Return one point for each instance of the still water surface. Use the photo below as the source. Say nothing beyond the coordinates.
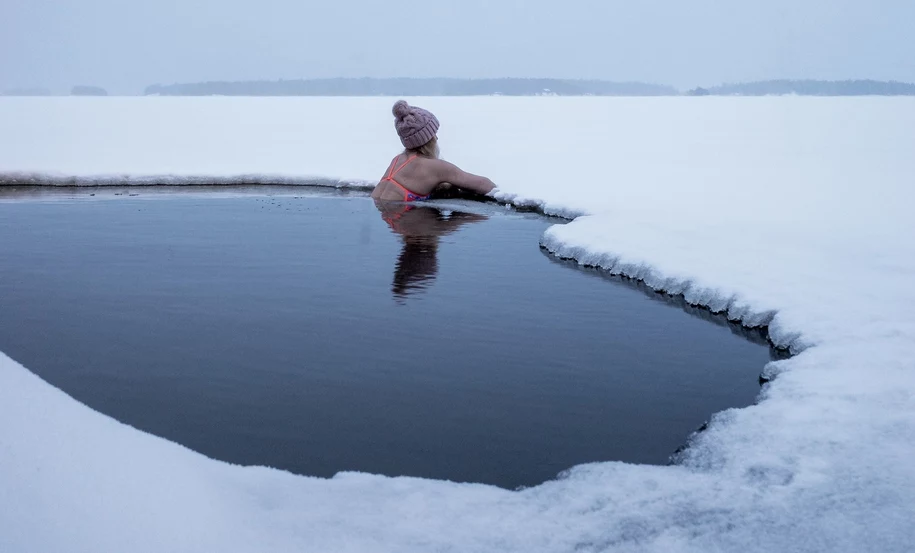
(319, 334)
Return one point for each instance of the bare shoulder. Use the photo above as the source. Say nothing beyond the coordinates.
(437, 167)
(444, 171)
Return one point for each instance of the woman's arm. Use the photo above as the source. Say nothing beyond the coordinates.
(450, 173)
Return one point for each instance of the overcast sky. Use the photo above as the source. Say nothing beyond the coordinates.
(124, 45)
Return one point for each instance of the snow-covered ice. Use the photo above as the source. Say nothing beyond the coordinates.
(792, 212)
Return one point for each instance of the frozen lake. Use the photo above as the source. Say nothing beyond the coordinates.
(790, 212)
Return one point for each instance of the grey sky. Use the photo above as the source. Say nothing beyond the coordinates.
(125, 45)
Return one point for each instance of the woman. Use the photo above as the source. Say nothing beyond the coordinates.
(417, 172)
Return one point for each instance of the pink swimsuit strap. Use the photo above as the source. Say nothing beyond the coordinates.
(408, 196)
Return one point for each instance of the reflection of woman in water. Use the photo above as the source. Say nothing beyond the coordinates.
(420, 228)
(414, 174)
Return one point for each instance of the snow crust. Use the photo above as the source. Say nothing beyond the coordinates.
(790, 212)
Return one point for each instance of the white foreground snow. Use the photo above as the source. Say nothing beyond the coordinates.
(793, 212)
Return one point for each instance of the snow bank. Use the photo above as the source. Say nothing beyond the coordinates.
(791, 212)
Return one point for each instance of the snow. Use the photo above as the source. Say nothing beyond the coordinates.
(790, 212)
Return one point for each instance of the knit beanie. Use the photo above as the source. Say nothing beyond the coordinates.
(414, 125)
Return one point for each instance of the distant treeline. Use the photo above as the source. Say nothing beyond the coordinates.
(489, 87)
(809, 88)
(413, 87)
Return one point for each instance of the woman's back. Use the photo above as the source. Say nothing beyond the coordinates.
(408, 173)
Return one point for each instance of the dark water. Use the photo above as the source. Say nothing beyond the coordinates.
(302, 333)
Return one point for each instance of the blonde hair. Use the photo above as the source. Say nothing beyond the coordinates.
(429, 149)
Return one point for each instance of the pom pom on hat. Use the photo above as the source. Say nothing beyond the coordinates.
(401, 109)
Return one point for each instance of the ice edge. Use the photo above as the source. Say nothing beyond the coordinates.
(39, 178)
(716, 302)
